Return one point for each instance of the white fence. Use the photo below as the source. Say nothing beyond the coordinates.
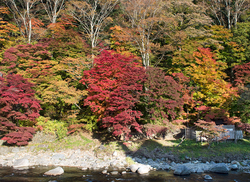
(231, 133)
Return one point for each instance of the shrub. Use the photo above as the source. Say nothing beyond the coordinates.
(17, 100)
(55, 127)
(17, 135)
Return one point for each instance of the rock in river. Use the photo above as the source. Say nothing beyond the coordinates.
(144, 169)
(207, 177)
(220, 168)
(134, 167)
(55, 172)
(181, 170)
(21, 163)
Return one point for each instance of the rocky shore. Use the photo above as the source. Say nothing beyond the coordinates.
(117, 163)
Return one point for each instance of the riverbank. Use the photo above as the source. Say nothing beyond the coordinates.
(87, 153)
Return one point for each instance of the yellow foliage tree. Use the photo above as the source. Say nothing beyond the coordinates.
(62, 95)
(208, 77)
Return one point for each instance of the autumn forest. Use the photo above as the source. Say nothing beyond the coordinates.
(123, 66)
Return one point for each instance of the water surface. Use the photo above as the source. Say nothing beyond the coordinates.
(8, 174)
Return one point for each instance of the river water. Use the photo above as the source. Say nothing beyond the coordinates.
(8, 174)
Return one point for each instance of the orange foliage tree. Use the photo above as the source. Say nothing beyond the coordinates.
(7, 30)
(208, 77)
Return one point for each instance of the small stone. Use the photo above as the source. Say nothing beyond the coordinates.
(83, 176)
(172, 163)
(234, 167)
(244, 163)
(113, 163)
(102, 147)
(199, 170)
(15, 150)
(124, 172)
(55, 172)
(104, 172)
(42, 146)
(58, 156)
(22, 149)
(114, 173)
(32, 148)
(4, 150)
(207, 177)
(78, 151)
(115, 154)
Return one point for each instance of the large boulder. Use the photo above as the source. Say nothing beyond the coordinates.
(182, 170)
(134, 167)
(21, 163)
(55, 172)
(220, 168)
(144, 169)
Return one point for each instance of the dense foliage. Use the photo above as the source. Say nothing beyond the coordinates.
(122, 67)
(114, 88)
(17, 100)
(18, 106)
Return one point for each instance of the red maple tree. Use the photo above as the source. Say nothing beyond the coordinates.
(17, 104)
(114, 86)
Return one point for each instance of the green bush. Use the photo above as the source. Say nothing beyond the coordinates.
(55, 127)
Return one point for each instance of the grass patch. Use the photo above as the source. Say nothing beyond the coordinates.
(191, 149)
(76, 142)
(70, 142)
(129, 161)
(153, 148)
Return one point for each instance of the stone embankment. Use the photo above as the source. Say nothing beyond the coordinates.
(26, 157)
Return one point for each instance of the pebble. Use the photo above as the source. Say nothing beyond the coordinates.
(104, 172)
(114, 173)
(207, 177)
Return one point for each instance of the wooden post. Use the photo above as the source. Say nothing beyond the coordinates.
(235, 136)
